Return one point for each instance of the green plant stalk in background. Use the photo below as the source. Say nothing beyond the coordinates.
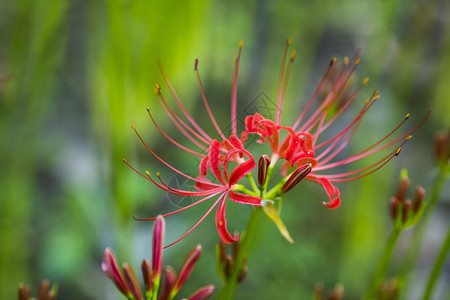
(437, 268)
(384, 263)
(419, 232)
(30, 72)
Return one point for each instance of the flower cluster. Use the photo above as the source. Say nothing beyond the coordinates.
(127, 283)
(46, 291)
(300, 147)
(405, 212)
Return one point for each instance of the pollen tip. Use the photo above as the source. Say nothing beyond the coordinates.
(147, 173)
(346, 60)
(148, 108)
(288, 41)
(132, 127)
(124, 160)
(241, 43)
(407, 116)
(357, 61)
(366, 80)
(294, 54)
(398, 151)
(157, 89)
(196, 64)
(333, 60)
(157, 174)
(408, 137)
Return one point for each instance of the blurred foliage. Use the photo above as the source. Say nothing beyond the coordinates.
(76, 74)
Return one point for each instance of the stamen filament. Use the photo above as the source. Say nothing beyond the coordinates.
(181, 106)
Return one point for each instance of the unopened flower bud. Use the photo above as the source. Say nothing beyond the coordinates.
(406, 210)
(147, 275)
(403, 187)
(111, 268)
(187, 268)
(43, 289)
(202, 293)
(229, 264)
(394, 208)
(263, 167)
(296, 177)
(337, 293)
(418, 199)
(132, 281)
(169, 280)
(159, 229)
(442, 147)
(243, 274)
(24, 292)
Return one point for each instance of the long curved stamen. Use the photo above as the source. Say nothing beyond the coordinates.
(330, 99)
(367, 105)
(351, 128)
(179, 123)
(387, 157)
(358, 156)
(165, 163)
(280, 84)
(187, 193)
(397, 152)
(336, 152)
(181, 209)
(311, 100)
(172, 140)
(181, 106)
(283, 94)
(321, 128)
(202, 218)
(172, 190)
(366, 152)
(211, 116)
(234, 91)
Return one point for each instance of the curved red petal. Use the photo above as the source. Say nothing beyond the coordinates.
(221, 223)
(204, 166)
(214, 160)
(333, 193)
(204, 184)
(245, 199)
(241, 170)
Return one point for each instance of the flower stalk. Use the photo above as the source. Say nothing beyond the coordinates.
(247, 239)
(384, 263)
(437, 267)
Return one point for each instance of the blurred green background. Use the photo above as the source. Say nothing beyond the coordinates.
(76, 74)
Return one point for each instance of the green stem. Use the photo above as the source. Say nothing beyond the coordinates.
(419, 232)
(245, 245)
(438, 265)
(252, 182)
(384, 263)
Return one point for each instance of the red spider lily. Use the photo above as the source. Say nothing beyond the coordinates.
(216, 161)
(301, 147)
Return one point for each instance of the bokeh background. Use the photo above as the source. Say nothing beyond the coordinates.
(76, 74)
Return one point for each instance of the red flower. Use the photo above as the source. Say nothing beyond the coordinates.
(302, 146)
(216, 161)
(305, 154)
